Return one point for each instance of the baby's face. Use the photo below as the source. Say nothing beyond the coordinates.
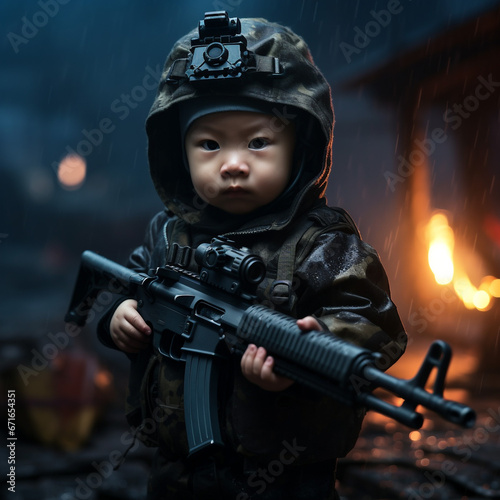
(239, 161)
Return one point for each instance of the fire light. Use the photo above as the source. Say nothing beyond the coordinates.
(415, 436)
(441, 245)
(493, 286)
(442, 262)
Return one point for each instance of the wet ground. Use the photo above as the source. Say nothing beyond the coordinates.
(439, 461)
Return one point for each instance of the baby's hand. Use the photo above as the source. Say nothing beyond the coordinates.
(257, 366)
(128, 329)
(309, 323)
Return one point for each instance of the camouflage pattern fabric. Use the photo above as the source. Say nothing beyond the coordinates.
(302, 89)
(335, 276)
(339, 279)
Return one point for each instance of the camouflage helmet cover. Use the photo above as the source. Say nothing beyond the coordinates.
(300, 88)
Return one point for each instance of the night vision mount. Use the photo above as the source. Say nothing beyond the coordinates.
(220, 52)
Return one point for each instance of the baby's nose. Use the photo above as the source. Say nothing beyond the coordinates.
(234, 165)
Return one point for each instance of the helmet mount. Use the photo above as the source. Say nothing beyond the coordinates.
(220, 52)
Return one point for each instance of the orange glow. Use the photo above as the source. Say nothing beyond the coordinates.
(481, 300)
(465, 290)
(472, 297)
(441, 258)
(103, 379)
(415, 436)
(441, 244)
(72, 171)
(494, 288)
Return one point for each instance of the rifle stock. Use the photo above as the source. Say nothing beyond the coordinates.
(200, 321)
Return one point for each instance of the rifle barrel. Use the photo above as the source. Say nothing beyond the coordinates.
(415, 395)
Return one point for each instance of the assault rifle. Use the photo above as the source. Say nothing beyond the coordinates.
(202, 319)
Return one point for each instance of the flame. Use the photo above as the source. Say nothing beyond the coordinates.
(440, 255)
(441, 261)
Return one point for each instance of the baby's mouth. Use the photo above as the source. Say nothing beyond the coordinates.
(235, 190)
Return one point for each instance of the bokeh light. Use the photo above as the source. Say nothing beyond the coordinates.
(72, 172)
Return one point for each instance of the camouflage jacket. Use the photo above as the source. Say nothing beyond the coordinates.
(338, 278)
(332, 273)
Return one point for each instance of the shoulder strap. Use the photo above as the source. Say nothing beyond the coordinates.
(282, 289)
(298, 245)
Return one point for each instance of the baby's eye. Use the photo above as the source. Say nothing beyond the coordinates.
(210, 145)
(258, 143)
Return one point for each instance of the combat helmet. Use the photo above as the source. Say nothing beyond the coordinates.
(240, 63)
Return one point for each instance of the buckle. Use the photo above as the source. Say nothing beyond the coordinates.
(281, 292)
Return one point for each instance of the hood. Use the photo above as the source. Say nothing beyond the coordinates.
(300, 92)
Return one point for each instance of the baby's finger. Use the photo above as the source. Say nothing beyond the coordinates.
(137, 321)
(130, 335)
(248, 358)
(266, 371)
(258, 361)
(308, 323)
(270, 380)
(138, 339)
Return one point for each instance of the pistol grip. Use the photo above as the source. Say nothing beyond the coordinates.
(201, 383)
